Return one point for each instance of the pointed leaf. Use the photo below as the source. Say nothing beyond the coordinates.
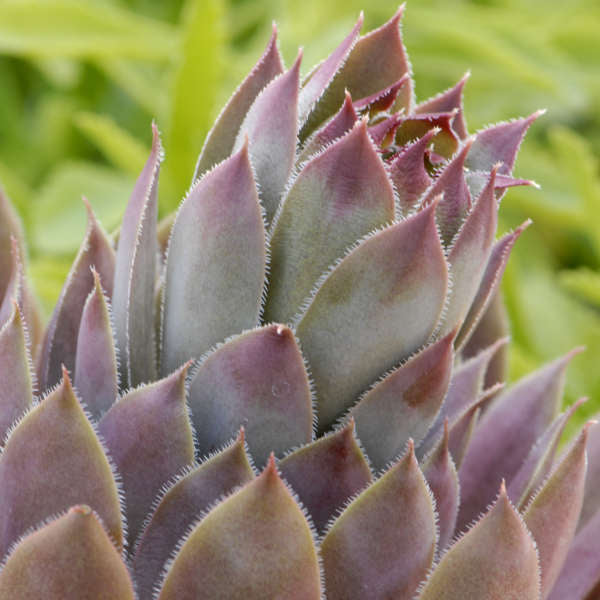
(271, 127)
(134, 275)
(384, 99)
(476, 180)
(216, 260)
(96, 370)
(404, 404)
(591, 498)
(383, 544)
(220, 140)
(445, 142)
(14, 286)
(400, 274)
(256, 544)
(496, 559)
(181, 505)
(552, 515)
(10, 226)
(258, 380)
(70, 558)
(326, 473)
(338, 197)
(52, 460)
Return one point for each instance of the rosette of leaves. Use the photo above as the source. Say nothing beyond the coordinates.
(293, 387)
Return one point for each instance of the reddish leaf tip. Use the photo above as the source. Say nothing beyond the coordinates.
(502, 493)
(66, 377)
(80, 509)
(241, 437)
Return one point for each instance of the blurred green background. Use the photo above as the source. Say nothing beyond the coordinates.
(80, 82)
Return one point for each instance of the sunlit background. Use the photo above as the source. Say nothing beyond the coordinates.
(80, 82)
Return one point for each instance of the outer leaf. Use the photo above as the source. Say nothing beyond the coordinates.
(221, 138)
(134, 275)
(216, 260)
(256, 544)
(591, 498)
(10, 226)
(70, 558)
(52, 460)
(400, 274)
(96, 369)
(404, 404)
(338, 197)
(495, 560)
(271, 126)
(326, 473)
(15, 284)
(181, 505)
(383, 544)
(257, 379)
(148, 435)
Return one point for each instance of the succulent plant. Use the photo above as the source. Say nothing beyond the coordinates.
(292, 388)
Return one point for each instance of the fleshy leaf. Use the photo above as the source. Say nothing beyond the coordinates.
(496, 559)
(69, 558)
(271, 128)
(404, 404)
(220, 140)
(499, 143)
(52, 460)
(591, 498)
(14, 286)
(10, 227)
(96, 375)
(149, 437)
(384, 99)
(181, 505)
(133, 295)
(338, 197)
(256, 544)
(383, 544)
(326, 473)
(320, 78)
(476, 180)
(504, 437)
(16, 376)
(552, 515)
(445, 143)
(258, 380)
(440, 473)
(216, 260)
(400, 274)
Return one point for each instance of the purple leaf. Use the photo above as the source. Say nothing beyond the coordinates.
(476, 180)
(445, 143)
(258, 380)
(216, 260)
(383, 544)
(10, 227)
(384, 99)
(379, 305)
(326, 473)
(14, 285)
(135, 267)
(346, 191)
(254, 545)
(149, 437)
(591, 497)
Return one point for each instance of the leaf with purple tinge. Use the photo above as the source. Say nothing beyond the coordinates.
(181, 505)
(552, 515)
(216, 260)
(68, 558)
(496, 560)
(591, 497)
(258, 380)
(135, 267)
(326, 473)
(382, 132)
(477, 180)
(384, 99)
(256, 544)
(14, 285)
(320, 78)
(448, 101)
(469, 255)
(504, 436)
(149, 437)
(390, 561)
(10, 227)
(408, 173)
(538, 463)
(490, 283)
(499, 143)
(221, 138)
(341, 123)
(271, 128)
(405, 403)
(65, 462)
(338, 197)
(96, 369)
(445, 143)
(16, 374)
(440, 472)
(401, 276)
(377, 61)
